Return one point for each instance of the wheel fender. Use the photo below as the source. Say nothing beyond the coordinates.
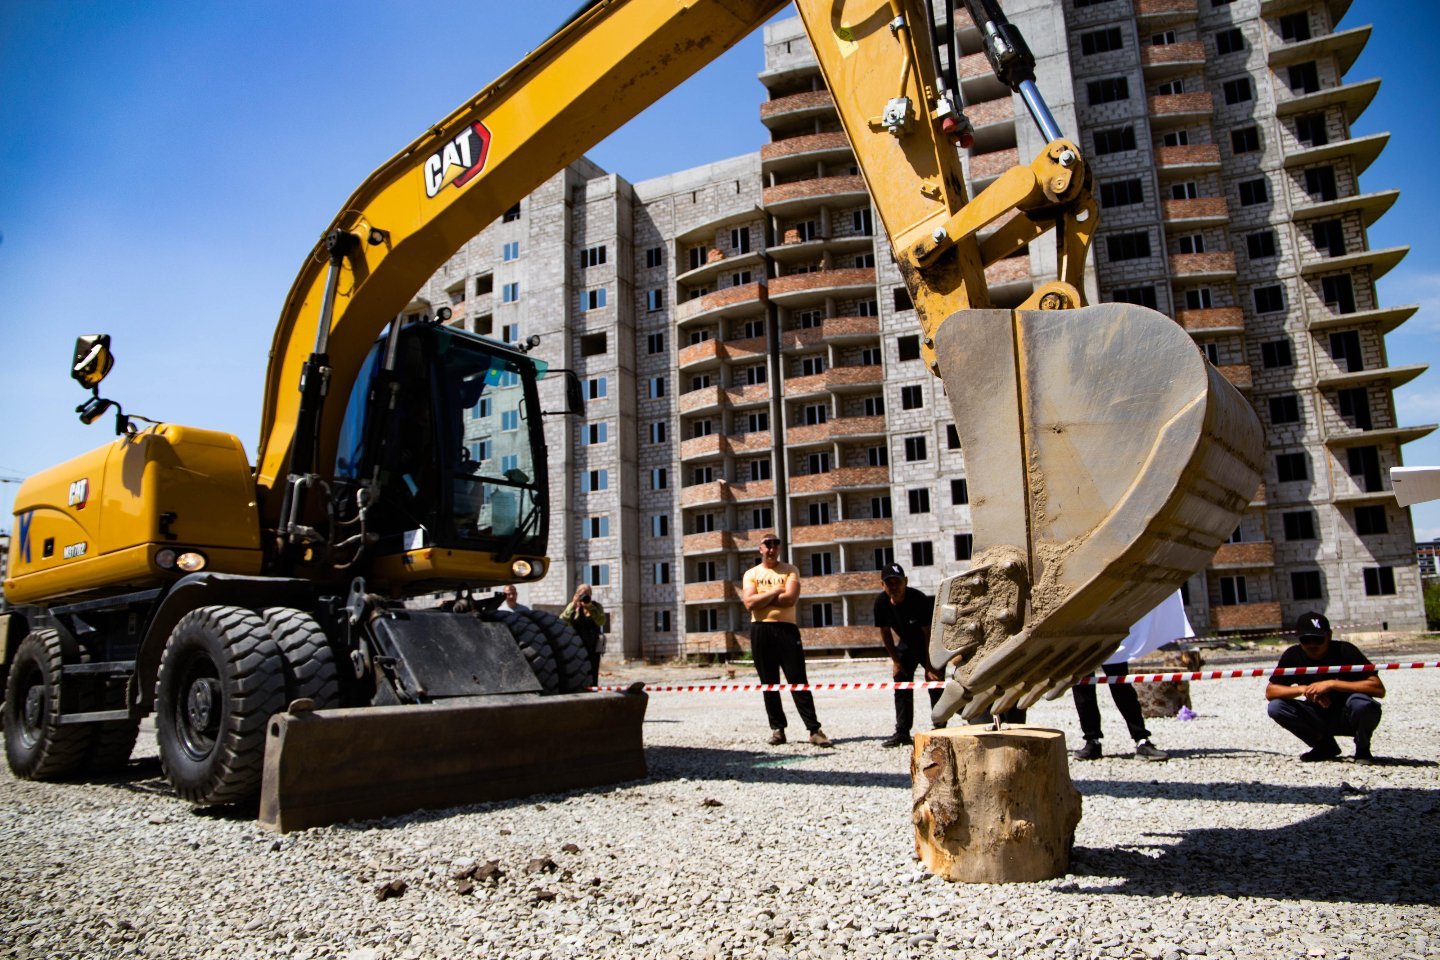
(13, 629)
(205, 590)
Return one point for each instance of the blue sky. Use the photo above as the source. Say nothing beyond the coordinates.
(166, 166)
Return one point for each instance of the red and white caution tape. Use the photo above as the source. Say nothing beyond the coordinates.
(853, 687)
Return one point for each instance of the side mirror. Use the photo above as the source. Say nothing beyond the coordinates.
(574, 397)
(93, 359)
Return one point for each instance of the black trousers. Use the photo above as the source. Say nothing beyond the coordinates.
(1127, 701)
(1357, 715)
(905, 699)
(776, 648)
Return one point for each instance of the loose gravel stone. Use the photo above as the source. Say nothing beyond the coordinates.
(732, 848)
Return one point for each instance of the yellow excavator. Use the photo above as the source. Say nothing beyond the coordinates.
(257, 610)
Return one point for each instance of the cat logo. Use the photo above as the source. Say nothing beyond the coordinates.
(80, 493)
(459, 160)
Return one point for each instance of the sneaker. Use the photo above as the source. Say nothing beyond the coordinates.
(1320, 754)
(897, 739)
(1148, 751)
(1091, 751)
(817, 737)
(777, 737)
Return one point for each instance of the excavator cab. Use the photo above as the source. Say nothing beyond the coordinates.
(441, 459)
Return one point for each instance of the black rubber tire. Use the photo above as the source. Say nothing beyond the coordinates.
(37, 746)
(111, 744)
(221, 680)
(307, 658)
(572, 660)
(536, 647)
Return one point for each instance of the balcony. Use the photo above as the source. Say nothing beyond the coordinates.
(845, 479)
(702, 448)
(1171, 59)
(784, 111)
(800, 288)
(718, 263)
(1194, 213)
(1345, 46)
(757, 441)
(790, 198)
(1392, 377)
(711, 591)
(1353, 98)
(1370, 206)
(1378, 262)
(835, 584)
(707, 352)
(749, 395)
(1361, 151)
(1186, 160)
(732, 301)
(704, 400)
(1273, 8)
(1246, 616)
(1010, 276)
(1239, 556)
(751, 490)
(1212, 320)
(985, 167)
(993, 122)
(1237, 373)
(1203, 266)
(715, 541)
(842, 638)
(718, 643)
(1258, 500)
(837, 330)
(1169, 110)
(792, 249)
(842, 531)
(703, 354)
(798, 153)
(1389, 435)
(835, 380)
(1385, 318)
(720, 492)
(1165, 13)
(841, 428)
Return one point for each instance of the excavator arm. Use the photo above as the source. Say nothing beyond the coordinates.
(1107, 460)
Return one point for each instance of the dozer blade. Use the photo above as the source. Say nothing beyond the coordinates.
(326, 766)
(1107, 461)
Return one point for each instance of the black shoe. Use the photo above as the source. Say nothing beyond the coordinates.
(1091, 751)
(897, 739)
(1320, 754)
(1363, 757)
(777, 737)
(1148, 751)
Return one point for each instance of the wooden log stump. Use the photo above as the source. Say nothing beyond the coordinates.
(1165, 699)
(993, 806)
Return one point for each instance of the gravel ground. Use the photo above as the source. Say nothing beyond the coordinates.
(731, 848)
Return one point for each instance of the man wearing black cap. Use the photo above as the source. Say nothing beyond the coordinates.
(904, 612)
(1317, 708)
(771, 589)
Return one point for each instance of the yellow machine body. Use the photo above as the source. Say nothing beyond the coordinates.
(96, 522)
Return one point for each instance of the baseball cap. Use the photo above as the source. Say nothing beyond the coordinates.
(770, 538)
(1312, 625)
(892, 571)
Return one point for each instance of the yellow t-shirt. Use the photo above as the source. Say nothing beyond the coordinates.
(765, 580)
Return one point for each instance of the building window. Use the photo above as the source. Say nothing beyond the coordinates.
(599, 527)
(867, 308)
(592, 256)
(1365, 468)
(1176, 138)
(1199, 298)
(596, 433)
(662, 621)
(1212, 353)
(870, 357)
(1346, 352)
(655, 343)
(911, 398)
(952, 437)
(510, 292)
(657, 431)
(1304, 78)
(1329, 238)
(1307, 585)
(812, 366)
(593, 480)
(1238, 90)
(1108, 90)
(964, 546)
(1285, 408)
(1144, 296)
(1354, 407)
(761, 519)
(919, 500)
(1269, 299)
(1290, 467)
(1244, 140)
(880, 508)
(822, 615)
(874, 406)
(902, 299)
(1115, 140)
(1295, 27)
(659, 478)
(819, 513)
(757, 422)
(1338, 293)
(878, 456)
(959, 492)
(1101, 41)
(591, 344)
(1229, 41)
(922, 554)
(815, 414)
(822, 564)
(1192, 243)
(1233, 592)
(817, 463)
(862, 222)
(659, 525)
(705, 571)
(914, 449)
(1311, 130)
(1379, 581)
(656, 388)
(1253, 192)
(703, 523)
(1260, 245)
(598, 574)
(1275, 354)
(592, 299)
(662, 572)
(654, 300)
(595, 388)
(909, 347)
(755, 375)
(1128, 246)
(1299, 525)
(510, 251)
(1371, 521)
(511, 215)
(1122, 193)
(654, 256)
(1320, 184)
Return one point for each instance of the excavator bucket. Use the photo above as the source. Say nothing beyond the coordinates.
(1111, 461)
(325, 766)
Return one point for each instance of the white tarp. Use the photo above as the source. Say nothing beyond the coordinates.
(1158, 627)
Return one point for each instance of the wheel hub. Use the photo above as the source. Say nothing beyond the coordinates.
(200, 703)
(34, 709)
